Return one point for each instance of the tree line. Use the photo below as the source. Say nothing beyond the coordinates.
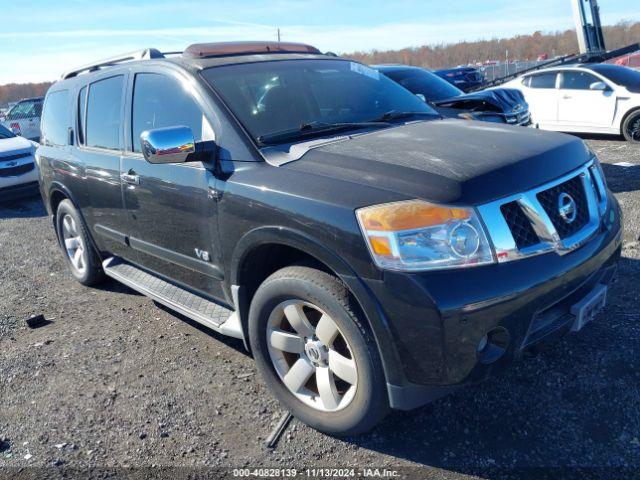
(520, 47)
(13, 92)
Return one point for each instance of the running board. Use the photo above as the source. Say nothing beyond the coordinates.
(197, 308)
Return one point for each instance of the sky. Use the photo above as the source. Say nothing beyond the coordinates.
(40, 42)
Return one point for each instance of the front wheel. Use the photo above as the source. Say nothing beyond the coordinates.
(631, 127)
(312, 348)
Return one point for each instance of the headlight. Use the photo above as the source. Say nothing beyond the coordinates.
(417, 235)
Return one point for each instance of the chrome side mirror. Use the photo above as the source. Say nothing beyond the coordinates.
(601, 86)
(167, 145)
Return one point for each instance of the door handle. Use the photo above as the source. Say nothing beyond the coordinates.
(566, 97)
(131, 178)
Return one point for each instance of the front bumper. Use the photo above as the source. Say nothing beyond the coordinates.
(438, 319)
(18, 177)
(22, 190)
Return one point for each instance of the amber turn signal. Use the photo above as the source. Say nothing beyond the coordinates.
(392, 217)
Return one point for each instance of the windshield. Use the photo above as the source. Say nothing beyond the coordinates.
(288, 95)
(5, 133)
(620, 75)
(419, 81)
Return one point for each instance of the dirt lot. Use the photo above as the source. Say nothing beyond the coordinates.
(114, 381)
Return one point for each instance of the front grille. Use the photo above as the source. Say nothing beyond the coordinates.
(15, 171)
(16, 156)
(519, 224)
(549, 199)
(536, 221)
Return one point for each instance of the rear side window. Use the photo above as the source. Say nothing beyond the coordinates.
(543, 80)
(103, 124)
(577, 80)
(82, 109)
(54, 122)
(160, 101)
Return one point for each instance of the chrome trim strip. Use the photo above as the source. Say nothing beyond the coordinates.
(502, 238)
(597, 176)
(539, 218)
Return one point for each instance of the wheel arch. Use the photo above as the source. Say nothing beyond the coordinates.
(57, 193)
(265, 250)
(632, 111)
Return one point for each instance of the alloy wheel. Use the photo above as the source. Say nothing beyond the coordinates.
(634, 129)
(73, 243)
(311, 356)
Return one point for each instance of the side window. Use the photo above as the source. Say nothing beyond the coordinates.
(543, 80)
(160, 101)
(526, 81)
(103, 123)
(82, 104)
(54, 122)
(572, 80)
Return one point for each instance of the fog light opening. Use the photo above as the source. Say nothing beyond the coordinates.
(493, 345)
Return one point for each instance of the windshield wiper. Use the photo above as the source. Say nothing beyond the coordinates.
(315, 128)
(397, 114)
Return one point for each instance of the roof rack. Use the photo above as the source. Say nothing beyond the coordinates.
(198, 50)
(146, 54)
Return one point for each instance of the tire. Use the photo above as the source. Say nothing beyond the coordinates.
(631, 127)
(354, 399)
(76, 245)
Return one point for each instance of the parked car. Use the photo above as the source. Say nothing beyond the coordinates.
(590, 98)
(18, 175)
(500, 105)
(465, 78)
(369, 253)
(5, 110)
(24, 118)
(632, 61)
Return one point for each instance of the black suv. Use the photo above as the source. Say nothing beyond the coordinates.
(369, 253)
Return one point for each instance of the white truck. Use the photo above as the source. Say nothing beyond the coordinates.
(24, 118)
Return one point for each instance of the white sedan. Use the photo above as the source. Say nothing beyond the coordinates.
(18, 171)
(589, 98)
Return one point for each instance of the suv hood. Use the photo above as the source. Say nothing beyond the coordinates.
(15, 145)
(501, 100)
(448, 161)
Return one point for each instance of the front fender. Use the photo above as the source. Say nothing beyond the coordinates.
(369, 304)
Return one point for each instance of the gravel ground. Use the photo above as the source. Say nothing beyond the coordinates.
(114, 381)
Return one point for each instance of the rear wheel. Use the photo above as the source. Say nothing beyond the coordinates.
(84, 262)
(311, 347)
(631, 127)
